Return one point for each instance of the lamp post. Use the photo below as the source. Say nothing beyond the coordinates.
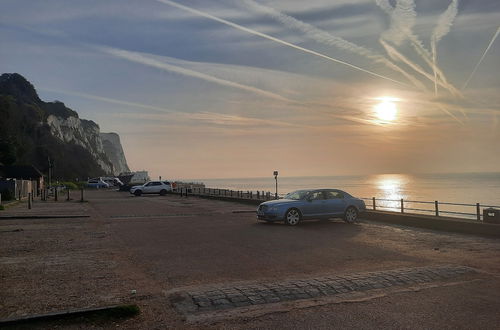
(276, 178)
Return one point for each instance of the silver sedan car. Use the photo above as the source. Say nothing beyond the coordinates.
(312, 204)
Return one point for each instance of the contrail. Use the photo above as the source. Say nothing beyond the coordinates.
(450, 114)
(140, 58)
(482, 57)
(107, 99)
(398, 56)
(442, 28)
(326, 38)
(266, 36)
(402, 22)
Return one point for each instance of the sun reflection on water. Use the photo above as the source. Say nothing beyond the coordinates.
(391, 188)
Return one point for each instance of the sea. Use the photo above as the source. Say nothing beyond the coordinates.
(389, 189)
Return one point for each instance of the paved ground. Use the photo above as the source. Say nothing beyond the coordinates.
(169, 248)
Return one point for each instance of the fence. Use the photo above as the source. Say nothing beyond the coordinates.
(436, 208)
(461, 210)
(227, 193)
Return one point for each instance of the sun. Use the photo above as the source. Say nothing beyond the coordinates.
(386, 111)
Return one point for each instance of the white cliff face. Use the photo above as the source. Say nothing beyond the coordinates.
(114, 151)
(84, 133)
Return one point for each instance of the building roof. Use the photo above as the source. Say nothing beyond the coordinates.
(25, 172)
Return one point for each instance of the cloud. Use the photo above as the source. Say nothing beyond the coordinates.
(107, 100)
(326, 38)
(263, 35)
(142, 58)
(442, 28)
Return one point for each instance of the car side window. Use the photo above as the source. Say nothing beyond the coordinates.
(156, 183)
(334, 195)
(148, 184)
(166, 182)
(316, 195)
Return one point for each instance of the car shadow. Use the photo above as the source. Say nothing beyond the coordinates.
(313, 224)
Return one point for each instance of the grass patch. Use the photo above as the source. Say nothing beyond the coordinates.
(2, 207)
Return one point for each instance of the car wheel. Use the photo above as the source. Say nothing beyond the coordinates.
(351, 215)
(138, 193)
(163, 192)
(292, 217)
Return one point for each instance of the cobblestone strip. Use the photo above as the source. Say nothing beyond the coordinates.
(239, 295)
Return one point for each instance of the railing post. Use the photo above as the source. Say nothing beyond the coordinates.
(29, 201)
(67, 191)
(55, 194)
(402, 206)
(374, 205)
(478, 211)
(81, 194)
(436, 206)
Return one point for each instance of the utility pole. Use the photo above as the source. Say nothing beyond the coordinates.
(276, 178)
(50, 168)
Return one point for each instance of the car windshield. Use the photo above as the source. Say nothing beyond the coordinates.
(297, 195)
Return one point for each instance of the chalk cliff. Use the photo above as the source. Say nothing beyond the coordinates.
(114, 151)
(33, 131)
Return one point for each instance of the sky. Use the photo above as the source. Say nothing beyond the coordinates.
(222, 89)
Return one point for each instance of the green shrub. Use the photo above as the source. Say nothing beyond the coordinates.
(2, 207)
(70, 185)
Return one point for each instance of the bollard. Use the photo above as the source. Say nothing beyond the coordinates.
(374, 205)
(81, 194)
(402, 206)
(19, 195)
(478, 211)
(67, 190)
(436, 206)
(55, 194)
(29, 201)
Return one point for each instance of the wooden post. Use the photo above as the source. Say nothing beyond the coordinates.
(374, 205)
(67, 190)
(81, 194)
(436, 206)
(55, 194)
(29, 201)
(478, 211)
(402, 206)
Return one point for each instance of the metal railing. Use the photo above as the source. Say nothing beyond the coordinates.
(227, 193)
(435, 208)
(438, 208)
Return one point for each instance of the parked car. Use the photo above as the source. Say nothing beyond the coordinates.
(97, 183)
(112, 181)
(312, 204)
(152, 187)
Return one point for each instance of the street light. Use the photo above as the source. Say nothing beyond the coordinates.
(276, 178)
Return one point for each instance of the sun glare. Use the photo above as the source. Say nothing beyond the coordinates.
(386, 111)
